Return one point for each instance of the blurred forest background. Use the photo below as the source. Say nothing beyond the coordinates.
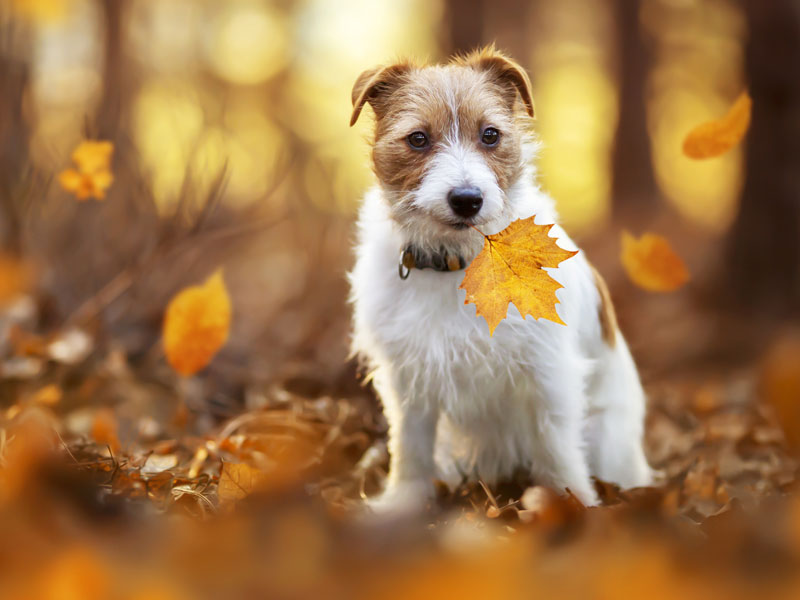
(245, 104)
(229, 122)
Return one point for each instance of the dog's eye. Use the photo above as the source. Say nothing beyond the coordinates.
(490, 136)
(417, 140)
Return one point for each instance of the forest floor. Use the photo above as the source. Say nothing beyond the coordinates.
(145, 496)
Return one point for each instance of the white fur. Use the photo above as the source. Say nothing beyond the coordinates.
(552, 399)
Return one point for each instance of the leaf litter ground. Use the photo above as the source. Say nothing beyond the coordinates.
(121, 475)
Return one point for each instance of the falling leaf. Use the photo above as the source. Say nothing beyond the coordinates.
(93, 175)
(196, 325)
(509, 269)
(652, 264)
(714, 138)
(236, 481)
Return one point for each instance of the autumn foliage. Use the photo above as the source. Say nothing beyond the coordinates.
(149, 450)
(510, 268)
(714, 138)
(196, 325)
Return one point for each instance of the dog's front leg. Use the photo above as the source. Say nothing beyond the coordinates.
(412, 436)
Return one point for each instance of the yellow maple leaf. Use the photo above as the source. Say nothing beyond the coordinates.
(652, 264)
(236, 481)
(714, 138)
(509, 269)
(196, 325)
(93, 176)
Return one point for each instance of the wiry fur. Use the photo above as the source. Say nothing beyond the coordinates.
(562, 402)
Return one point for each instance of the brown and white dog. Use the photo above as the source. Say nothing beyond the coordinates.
(453, 148)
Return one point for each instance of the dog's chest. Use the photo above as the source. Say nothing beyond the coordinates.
(445, 350)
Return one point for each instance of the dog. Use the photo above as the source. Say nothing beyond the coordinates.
(452, 152)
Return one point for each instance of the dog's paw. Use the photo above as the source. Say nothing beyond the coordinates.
(586, 494)
(406, 498)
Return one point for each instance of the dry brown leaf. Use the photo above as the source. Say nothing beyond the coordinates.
(104, 429)
(49, 395)
(714, 138)
(237, 481)
(196, 325)
(509, 269)
(652, 264)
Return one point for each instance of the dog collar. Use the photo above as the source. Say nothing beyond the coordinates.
(414, 258)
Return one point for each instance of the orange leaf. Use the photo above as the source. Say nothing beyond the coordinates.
(652, 264)
(196, 325)
(93, 156)
(104, 429)
(509, 269)
(49, 395)
(714, 138)
(93, 176)
(236, 481)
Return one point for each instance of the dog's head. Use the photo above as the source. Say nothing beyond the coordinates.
(449, 142)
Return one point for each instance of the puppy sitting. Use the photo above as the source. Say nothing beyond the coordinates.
(452, 149)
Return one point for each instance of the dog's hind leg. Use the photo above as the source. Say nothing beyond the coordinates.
(615, 423)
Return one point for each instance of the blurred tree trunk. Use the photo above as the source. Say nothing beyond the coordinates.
(464, 25)
(14, 168)
(764, 250)
(634, 187)
(111, 108)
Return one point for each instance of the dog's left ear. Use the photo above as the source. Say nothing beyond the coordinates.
(373, 85)
(506, 71)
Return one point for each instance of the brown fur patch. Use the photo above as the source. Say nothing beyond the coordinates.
(608, 317)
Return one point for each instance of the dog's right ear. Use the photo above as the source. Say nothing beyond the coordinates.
(374, 84)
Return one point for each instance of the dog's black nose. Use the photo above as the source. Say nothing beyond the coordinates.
(465, 201)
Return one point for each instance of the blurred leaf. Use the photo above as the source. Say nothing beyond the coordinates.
(714, 138)
(509, 269)
(48, 395)
(196, 325)
(652, 264)
(104, 429)
(237, 481)
(93, 176)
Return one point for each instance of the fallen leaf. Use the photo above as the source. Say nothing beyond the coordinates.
(49, 395)
(510, 269)
(196, 325)
(104, 429)
(237, 481)
(714, 138)
(93, 176)
(652, 264)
